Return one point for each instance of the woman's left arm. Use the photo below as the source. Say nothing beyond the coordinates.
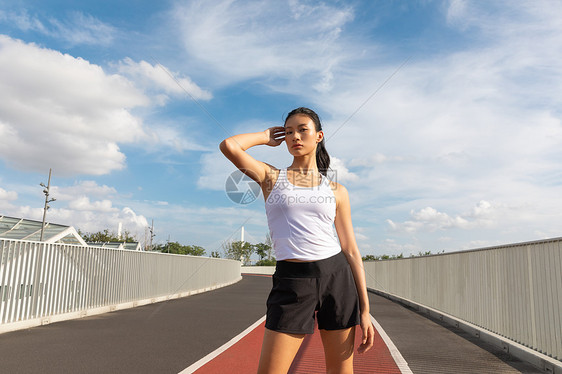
(349, 247)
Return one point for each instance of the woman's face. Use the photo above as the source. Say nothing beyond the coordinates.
(301, 135)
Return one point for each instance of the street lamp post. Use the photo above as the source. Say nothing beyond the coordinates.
(46, 190)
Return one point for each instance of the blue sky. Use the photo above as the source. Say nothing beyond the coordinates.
(443, 118)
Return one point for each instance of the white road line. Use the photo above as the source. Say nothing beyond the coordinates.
(400, 362)
(221, 349)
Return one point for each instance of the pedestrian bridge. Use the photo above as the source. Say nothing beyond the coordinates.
(489, 310)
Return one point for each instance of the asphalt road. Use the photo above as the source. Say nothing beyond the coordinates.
(167, 337)
(432, 347)
(159, 338)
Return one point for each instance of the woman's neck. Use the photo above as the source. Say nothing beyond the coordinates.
(304, 174)
(304, 165)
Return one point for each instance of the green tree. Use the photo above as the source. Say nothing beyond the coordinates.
(179, 249)
(426, 253)
(196, 250)
(238, 250)
(262, 250)
(369, 258)
(266, 262)
(106, 236)
(215, 254)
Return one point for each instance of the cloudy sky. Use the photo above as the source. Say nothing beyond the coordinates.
(443, 118)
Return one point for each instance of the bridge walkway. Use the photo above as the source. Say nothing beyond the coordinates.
(172, 336)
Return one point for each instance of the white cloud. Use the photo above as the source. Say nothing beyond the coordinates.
(473, 132)
(481, 123)
(361, 237)
(157, 202)
(168, 137)
(267, 39)
(456, 11)
(129, 215)
(341, 174)
(160, 77)
(80, 28)
(205, 225)
(391, 247)
(484, 215)
(504, 20)
(215, 168)
(81, 189)
(369, 160)
(76, 28)
(23, 21)
(8, 195)
(464, 142)
(63, 112)
(86, 206)
(94, 219)
(83, 203)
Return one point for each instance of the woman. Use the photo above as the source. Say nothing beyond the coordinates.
(314, 273)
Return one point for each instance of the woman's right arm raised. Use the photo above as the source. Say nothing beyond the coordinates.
(234, 148)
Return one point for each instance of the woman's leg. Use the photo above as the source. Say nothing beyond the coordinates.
(278, 351)
(338, 348)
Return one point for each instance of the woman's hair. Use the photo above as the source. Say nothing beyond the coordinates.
(322, 157)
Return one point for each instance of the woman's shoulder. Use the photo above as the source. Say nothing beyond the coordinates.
(338, 187)
(340, 192)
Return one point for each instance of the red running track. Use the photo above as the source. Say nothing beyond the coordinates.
(243, 356)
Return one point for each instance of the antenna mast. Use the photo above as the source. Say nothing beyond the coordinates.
(46, 191)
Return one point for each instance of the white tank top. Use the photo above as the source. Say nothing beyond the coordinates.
(301, 220)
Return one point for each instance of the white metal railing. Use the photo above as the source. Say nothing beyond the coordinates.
(514, 290)
(39, 280)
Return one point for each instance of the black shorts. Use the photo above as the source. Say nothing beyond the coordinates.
(300, 289)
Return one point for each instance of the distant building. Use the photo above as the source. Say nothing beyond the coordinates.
(26, 229)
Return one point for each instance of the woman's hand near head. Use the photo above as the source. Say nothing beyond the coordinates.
(234, 148)
(276, 135)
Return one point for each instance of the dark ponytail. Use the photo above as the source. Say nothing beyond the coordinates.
(322, 156)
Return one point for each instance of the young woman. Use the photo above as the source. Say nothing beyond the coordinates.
(314, 273)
